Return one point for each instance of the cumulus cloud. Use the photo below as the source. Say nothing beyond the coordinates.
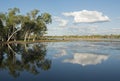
(86, 59)
(62, 22)
(86, 16)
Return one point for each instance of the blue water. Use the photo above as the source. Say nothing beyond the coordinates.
(62, 61)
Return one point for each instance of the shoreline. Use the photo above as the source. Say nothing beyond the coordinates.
(63, 40)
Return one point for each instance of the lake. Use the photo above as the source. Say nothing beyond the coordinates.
(60, 61)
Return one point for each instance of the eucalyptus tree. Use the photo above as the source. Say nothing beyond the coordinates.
(3, 29)
(41, 24)
(15, 26)
(10, 21)
(13, 22)
(36, 24)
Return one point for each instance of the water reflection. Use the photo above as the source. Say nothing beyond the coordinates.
(16, 58)
(86, 59)
(62, 53)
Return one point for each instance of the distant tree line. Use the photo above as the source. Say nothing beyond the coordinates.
(14, 26)
(112, 36)
(95, 36)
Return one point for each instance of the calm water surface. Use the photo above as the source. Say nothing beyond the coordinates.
(60, 61)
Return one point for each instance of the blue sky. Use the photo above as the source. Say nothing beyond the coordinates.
(74, 17)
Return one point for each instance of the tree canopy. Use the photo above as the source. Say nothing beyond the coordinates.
(14, 26)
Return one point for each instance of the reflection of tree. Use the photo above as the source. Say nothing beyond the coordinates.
(17, 58)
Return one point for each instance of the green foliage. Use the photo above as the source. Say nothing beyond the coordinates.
(47, 18)
(1, 29)
(24, 26)
(1, 24)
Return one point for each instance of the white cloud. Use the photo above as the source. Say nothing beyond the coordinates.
(86, 16)
(86, 59)
(62, 22)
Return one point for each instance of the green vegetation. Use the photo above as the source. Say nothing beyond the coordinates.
(84, 37)
(14, 26)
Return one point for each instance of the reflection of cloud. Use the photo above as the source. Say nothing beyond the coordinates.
(87, 59)
(62, 53)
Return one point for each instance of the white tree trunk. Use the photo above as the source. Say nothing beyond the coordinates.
(12, 35)
(34, 37)
(29, 38)
(25, 36)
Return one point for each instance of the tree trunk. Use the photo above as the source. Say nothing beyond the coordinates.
(25, 36)
(2, 39)
(34, 37)
(12, 35)
(29, 38)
